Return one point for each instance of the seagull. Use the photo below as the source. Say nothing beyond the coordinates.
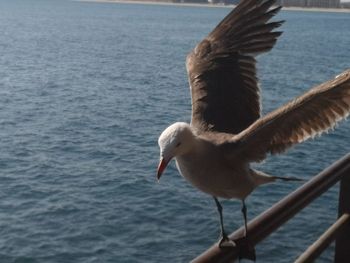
(227, 132)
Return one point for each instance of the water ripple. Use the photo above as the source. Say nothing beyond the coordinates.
(86, 88)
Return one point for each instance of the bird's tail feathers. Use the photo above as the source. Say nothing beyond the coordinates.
(289, 178)
(263, 178)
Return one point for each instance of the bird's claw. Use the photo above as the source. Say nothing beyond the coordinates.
(225, 242)
(246, 249)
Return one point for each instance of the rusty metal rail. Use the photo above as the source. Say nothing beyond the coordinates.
(270, 220)
(324, 241)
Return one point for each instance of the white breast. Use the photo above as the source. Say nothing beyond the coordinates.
(210, 175)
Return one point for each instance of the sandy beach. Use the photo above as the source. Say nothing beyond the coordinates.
(164, 2)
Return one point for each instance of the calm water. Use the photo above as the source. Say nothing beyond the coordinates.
(85, 90)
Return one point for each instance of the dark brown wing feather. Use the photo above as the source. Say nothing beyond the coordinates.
(305, 117)
(221, 68)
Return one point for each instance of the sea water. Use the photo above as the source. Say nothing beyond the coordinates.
(85, 91)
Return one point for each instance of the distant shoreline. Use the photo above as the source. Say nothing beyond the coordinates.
(164, 2)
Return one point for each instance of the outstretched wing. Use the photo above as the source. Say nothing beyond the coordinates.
(221, 68)
(305, 117)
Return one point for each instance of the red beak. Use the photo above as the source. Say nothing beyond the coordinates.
(161, 167)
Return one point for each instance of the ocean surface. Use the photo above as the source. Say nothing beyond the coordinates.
(85, 91)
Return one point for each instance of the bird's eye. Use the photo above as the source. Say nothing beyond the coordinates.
(178, 144)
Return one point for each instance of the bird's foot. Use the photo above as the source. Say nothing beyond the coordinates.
(246, 249)
(225, 242)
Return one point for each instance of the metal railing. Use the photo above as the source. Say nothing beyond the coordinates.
(270, 220)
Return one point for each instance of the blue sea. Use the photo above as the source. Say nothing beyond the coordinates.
(86, 89)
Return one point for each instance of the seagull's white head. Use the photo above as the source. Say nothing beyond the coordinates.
(174, 141)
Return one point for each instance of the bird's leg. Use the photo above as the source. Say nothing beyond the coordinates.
(225, 241)
(247, 250)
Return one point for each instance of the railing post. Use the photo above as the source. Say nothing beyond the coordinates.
(342, 243)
